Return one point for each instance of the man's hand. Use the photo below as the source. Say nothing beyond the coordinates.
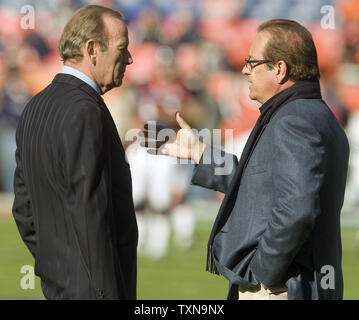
(185, 145)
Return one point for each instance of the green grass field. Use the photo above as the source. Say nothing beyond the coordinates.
(180, 275)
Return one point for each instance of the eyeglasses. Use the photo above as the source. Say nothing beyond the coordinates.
(249, 63)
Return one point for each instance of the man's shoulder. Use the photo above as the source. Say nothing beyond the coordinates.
(310, 115)
(63, 92)
(304, 106)
(309, 110)
(74, 90)
(63, 101)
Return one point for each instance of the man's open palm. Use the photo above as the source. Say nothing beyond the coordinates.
(186, 144)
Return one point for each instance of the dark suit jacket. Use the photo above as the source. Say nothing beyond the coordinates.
(284, 228)
(73, 195)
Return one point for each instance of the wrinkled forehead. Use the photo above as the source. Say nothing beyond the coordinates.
(258, 45)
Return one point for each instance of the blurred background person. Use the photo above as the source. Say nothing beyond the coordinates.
(13, 97)
(160, 190)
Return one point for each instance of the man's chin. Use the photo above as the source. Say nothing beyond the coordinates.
(252, 95)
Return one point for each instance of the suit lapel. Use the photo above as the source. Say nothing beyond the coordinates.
(111, 122)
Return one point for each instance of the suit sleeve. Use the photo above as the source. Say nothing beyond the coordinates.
(87, 176)
(298, 173)
(22, 208)
(215, 169)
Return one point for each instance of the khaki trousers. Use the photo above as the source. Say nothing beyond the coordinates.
(262, 294)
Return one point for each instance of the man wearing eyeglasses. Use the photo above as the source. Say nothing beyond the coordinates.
(277, 233)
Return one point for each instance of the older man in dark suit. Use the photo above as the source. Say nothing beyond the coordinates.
(277, 234)
(73, 195)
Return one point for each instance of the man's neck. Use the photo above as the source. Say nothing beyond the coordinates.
(80, 67)
(280, 88)
(284, 86)
(80, 72)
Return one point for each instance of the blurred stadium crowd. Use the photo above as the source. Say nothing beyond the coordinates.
(188, 56)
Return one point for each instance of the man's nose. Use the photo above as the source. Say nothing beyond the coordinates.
(245, 70)
(130, 60)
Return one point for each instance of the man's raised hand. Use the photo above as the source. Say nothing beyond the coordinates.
(182, 143)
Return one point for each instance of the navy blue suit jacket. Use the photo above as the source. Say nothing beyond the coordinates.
(73, 195)
(284, 228)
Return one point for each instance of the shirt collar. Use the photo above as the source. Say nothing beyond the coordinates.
(80, 75)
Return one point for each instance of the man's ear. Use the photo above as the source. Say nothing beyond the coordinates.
(91, 51)
(281, 72)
